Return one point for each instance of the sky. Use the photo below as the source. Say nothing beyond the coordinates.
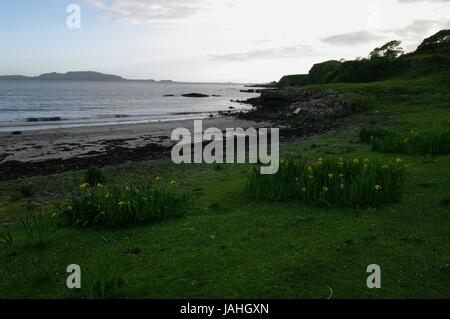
(206, 40)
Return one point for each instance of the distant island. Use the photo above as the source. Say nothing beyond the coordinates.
(74, 76)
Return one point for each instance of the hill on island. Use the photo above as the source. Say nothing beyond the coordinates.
(72, 76)
(432, 57)
(80, 76)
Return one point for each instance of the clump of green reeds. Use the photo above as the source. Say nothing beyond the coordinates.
(428, 142)
(332, 180)
(137, 205)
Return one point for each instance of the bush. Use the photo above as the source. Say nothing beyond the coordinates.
(432, 142)
(334, 181)
(123, 207)
(94, 176)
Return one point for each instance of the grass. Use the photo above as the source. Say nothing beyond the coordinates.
(22, 191)
(123, 207)
(351, 182)
(94, 176)
(432, 142)
(366, 135)
(230, 246)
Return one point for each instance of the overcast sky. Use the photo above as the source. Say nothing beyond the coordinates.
(206, 40)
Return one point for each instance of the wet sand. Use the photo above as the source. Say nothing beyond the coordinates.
(43, 152)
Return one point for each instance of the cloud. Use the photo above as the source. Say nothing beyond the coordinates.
(352, 38)
(412, 1)
(146, 11)
(414, 33)
(296, 51)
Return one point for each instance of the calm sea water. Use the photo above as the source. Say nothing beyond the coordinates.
(28, 105)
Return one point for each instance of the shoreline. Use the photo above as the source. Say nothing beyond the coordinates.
(297, 113)
(44, 152)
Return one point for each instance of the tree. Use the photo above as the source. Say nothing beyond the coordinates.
(438, 42)
(390, 50)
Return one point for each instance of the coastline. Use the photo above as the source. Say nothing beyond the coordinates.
(51, 151)
(43, 152)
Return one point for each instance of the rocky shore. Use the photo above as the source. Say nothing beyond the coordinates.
(300, 112)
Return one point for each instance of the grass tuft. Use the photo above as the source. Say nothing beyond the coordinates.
(94, 176)
(350, 182)
(124, 207)
(38, 229)
(429, 142)
(366, 135)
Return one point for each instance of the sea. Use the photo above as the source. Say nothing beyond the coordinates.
(39, 105)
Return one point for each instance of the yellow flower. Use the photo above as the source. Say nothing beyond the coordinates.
(84, 185)
(356, 161)
(320, 159)
(157, 178)
(304, 190)
(127, 188)
(325, 189)
(398, 160)
(310, 169)
(121, 203)
(99, 185)
(378, 187)
(173, 182)
(330, 175)
(385, 166)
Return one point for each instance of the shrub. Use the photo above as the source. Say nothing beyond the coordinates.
(334, 181)
(94, 176)
(123, 207)
(432, 142)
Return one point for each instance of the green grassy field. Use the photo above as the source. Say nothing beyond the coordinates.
(230, 246)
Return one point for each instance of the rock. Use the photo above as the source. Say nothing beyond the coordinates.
(16, 133)
(197, 95)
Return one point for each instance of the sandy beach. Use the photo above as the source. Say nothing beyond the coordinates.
(47, 151)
